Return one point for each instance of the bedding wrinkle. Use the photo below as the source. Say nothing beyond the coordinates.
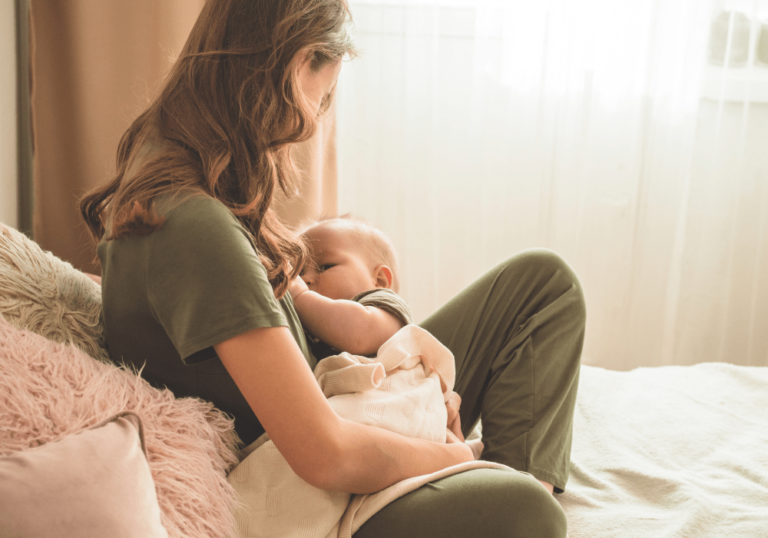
(671, 451)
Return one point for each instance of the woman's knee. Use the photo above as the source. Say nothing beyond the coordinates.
(495, 503)
(521, 506)
(540, 261)
(528, 510)
(544, 267)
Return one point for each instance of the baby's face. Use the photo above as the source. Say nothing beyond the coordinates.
(339, 268)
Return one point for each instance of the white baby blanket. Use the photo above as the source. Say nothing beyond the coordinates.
(402, 390)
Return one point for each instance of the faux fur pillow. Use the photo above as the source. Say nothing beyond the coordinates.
(50, 390)
(46, 295)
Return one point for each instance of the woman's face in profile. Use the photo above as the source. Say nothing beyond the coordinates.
(317, 86)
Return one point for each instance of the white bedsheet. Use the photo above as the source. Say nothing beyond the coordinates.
(670, 452)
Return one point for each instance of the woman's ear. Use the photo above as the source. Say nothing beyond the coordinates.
(382, 275)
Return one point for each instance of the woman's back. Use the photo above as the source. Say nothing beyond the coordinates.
(172, 294)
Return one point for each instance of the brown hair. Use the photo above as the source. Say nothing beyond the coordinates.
(378, 246)
(224, 121)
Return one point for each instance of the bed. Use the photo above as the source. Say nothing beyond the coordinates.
(657, 452)
(670, 452)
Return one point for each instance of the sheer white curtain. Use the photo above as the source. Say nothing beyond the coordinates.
(601, 129)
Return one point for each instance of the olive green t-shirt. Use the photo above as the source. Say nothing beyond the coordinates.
(169, 296)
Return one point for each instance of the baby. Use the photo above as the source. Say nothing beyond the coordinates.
(346, 298)
(349, 300)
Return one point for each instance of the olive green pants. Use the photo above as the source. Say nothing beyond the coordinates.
(516, 334)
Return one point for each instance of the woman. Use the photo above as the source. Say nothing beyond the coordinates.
(196, 269)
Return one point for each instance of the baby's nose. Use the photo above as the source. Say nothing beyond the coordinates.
(308, 277)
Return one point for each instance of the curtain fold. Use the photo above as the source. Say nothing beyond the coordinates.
(606, 131)
(9, 116)
(96, 64)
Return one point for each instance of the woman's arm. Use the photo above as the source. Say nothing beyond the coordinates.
(322, 448)
(346, 325)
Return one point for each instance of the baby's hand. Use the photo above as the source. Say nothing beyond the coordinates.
(297, 287)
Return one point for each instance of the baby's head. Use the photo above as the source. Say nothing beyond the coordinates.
(348, 256)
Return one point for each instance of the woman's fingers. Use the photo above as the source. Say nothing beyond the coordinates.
(455, 427)
(452, 414)
(477, 447)
(450, 437)
(452, 406)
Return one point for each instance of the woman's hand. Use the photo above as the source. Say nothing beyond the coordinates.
(477, 447)
(323, 449)
(452, 405)
(469, 452)
(454, 435)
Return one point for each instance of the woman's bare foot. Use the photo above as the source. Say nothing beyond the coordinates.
(550, 487)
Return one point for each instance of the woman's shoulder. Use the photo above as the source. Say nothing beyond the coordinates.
(193, 205)
(195, 227)
(196, 215)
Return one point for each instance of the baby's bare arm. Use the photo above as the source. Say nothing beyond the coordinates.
(345, 325)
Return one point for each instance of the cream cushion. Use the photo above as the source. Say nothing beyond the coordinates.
(46, 295)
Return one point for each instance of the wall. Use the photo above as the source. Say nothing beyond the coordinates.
(8, 146)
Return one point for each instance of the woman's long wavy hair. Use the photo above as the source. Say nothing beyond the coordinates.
(224, 121)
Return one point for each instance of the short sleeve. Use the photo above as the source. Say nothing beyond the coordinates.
(388, 301)
(205, 283)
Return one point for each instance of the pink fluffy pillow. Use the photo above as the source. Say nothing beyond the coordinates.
(50, 390)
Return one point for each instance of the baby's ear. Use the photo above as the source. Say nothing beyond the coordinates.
(383, 277)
